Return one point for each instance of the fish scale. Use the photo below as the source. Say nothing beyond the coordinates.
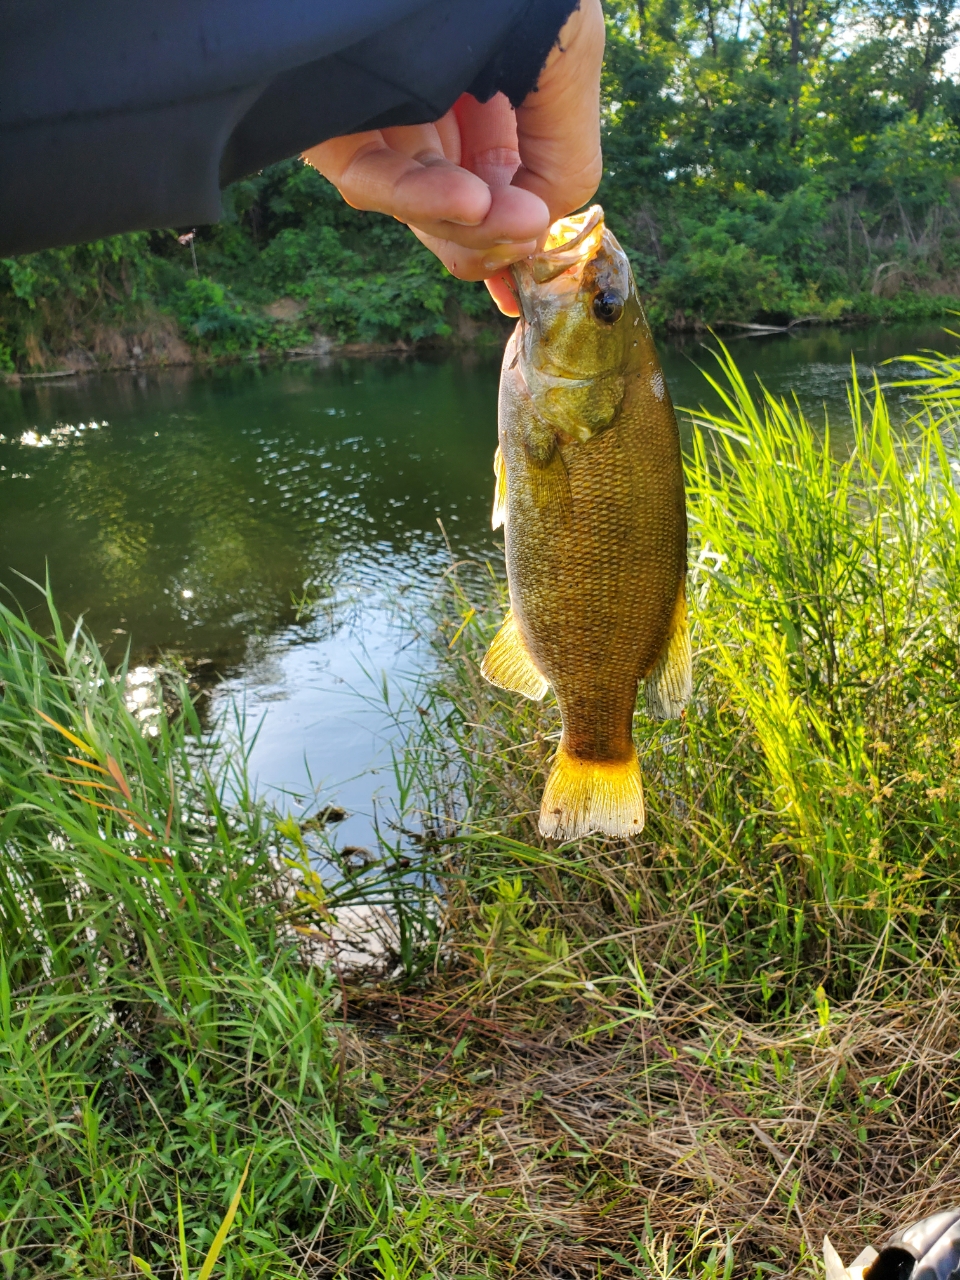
(594, 522)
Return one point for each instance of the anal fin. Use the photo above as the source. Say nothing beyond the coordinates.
(508, 664)
(669, 686)
(583, 796)
(500, 490)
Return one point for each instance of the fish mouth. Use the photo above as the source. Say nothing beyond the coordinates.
(570, 241)
(570, 245)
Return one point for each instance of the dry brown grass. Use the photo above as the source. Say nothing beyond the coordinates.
(588, 1152)
(696, 1055)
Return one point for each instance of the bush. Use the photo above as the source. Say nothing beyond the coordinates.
(210, 316)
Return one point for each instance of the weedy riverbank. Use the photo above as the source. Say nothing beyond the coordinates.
(697, 1054)
(162, 1024)
(690, 1056)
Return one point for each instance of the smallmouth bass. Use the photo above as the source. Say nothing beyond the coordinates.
(590, 494)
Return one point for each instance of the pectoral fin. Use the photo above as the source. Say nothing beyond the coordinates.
(669, 685)
(546, 471)
(508, 664)
(550, 486)
(500, 491)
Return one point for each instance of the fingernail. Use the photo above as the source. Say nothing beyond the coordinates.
(497, 175)
(511, 253)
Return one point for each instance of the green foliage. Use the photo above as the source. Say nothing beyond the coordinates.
(828, 601)
(764, 164)
(51, 301)
(206, 312)
(360, 277)
(803, 816)
(161, 1028)
(119, 266)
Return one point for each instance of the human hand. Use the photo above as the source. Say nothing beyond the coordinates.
(482, 185)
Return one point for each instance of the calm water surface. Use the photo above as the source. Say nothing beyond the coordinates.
(274, 526)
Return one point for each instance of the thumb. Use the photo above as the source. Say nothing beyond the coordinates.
(558, 125)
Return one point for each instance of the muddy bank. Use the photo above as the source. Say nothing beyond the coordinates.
(123, 351)
(155, 340)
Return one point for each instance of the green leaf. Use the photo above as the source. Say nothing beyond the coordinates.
(218, 1240)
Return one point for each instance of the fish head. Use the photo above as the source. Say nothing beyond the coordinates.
(579, 313)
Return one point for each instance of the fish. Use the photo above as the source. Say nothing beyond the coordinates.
(590, 495)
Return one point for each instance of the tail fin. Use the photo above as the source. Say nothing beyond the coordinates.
(588, 795)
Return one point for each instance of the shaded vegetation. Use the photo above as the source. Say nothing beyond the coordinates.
(289, 263)
(764, 162)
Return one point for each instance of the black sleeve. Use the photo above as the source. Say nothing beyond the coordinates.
(118, 115)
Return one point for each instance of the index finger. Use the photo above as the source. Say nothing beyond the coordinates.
(370, 174)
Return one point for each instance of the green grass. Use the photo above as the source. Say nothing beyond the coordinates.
(689, 1056)
(747, 1003)
(162, 1026)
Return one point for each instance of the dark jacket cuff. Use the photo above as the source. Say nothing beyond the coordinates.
(515, 68)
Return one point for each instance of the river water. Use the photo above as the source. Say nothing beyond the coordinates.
(277, 527)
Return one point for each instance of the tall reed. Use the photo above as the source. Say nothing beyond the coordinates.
(161, 1027)
(804, 811)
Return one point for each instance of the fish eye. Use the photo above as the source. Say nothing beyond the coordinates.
(608, 306)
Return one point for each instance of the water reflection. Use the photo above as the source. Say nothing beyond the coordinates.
(211, 504)
(815, 363)
(263, 522)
